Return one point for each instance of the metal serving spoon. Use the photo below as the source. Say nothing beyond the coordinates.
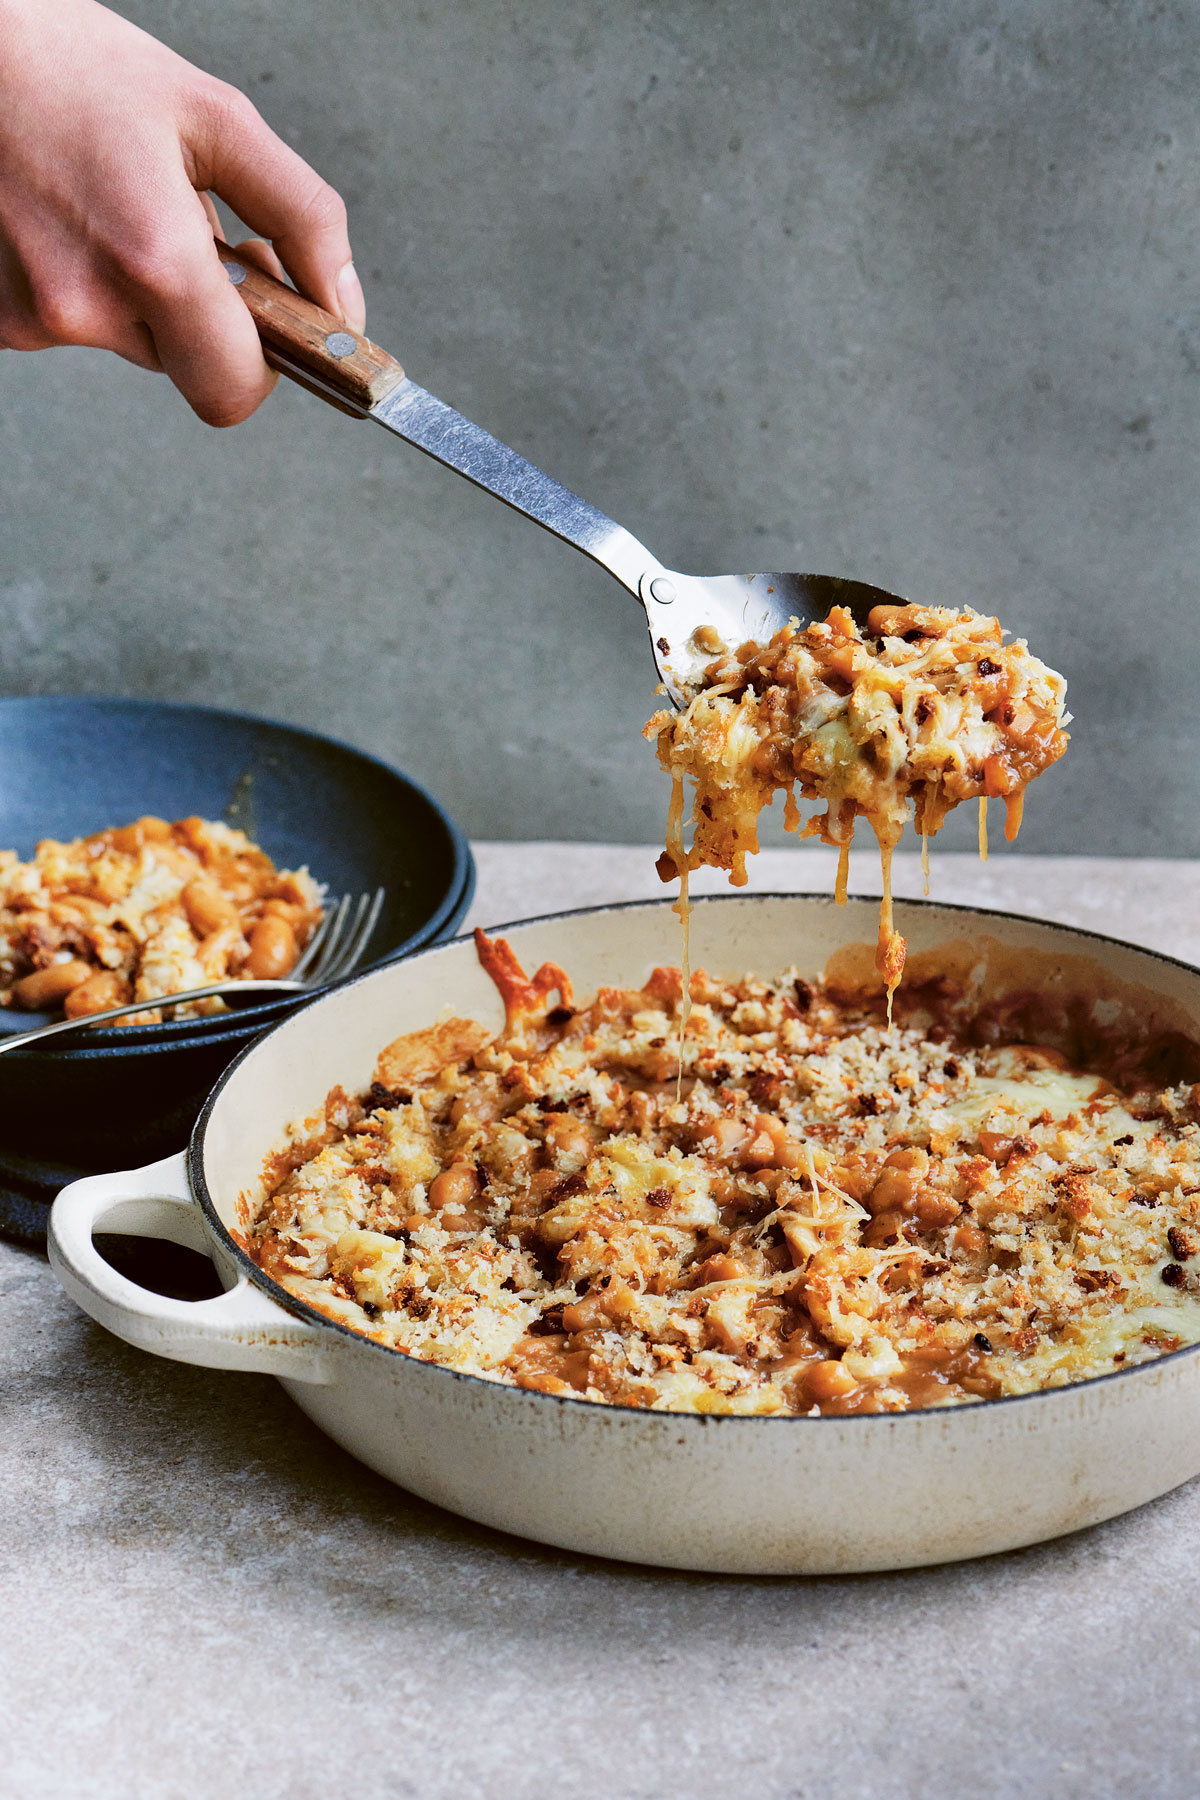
(313, 348)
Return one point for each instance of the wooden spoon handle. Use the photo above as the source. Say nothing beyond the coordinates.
(308, 344)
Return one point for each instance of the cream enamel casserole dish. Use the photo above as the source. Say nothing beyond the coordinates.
(715, 1492)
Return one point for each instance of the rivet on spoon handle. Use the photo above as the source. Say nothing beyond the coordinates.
(303, 339)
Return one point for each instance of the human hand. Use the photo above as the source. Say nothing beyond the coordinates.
(109, 147)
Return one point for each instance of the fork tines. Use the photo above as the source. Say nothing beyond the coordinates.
(340, 940)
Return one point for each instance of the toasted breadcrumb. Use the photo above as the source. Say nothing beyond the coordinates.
(833, 1216)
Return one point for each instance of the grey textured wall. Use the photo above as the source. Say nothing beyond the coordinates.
(901, 291)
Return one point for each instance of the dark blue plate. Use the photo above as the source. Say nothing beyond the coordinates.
(69, 765)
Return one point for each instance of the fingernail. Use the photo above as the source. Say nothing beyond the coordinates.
(350, 298)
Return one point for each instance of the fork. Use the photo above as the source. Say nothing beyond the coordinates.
(334, 950)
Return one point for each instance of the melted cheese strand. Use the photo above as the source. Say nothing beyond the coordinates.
(891, 949)
(843, 870)
(811, 1172)
(1014, 807)
(887, 929)
(683, 909)
(983, 847)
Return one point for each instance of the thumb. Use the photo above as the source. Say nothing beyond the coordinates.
(274, 191)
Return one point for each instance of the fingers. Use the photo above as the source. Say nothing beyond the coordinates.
(105, 138)
(143, 279)
(239, 157)
(254, 250)
(164, 303)
(135, 343)
(74, 314)
(202, 334)
(18, 326)
(206, 201)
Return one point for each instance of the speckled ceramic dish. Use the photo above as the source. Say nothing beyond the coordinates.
(775, 1495)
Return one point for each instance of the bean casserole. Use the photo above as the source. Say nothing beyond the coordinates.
(925, 709)
(143, 911)
(820, 1213)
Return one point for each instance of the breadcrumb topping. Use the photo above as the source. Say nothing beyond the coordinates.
(826, 1216)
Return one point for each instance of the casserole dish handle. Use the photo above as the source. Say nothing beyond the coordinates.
(240, 1329)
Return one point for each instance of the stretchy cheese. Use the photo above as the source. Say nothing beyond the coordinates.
(926, 708)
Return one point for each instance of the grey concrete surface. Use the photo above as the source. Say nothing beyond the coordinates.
(202, 1596)
(900, 290)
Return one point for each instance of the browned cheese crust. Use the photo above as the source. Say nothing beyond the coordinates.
(831, 1217)
(927, 708)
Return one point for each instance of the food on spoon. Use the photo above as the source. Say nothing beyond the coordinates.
(925, 709)
(143, 911)
(833, 1217)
